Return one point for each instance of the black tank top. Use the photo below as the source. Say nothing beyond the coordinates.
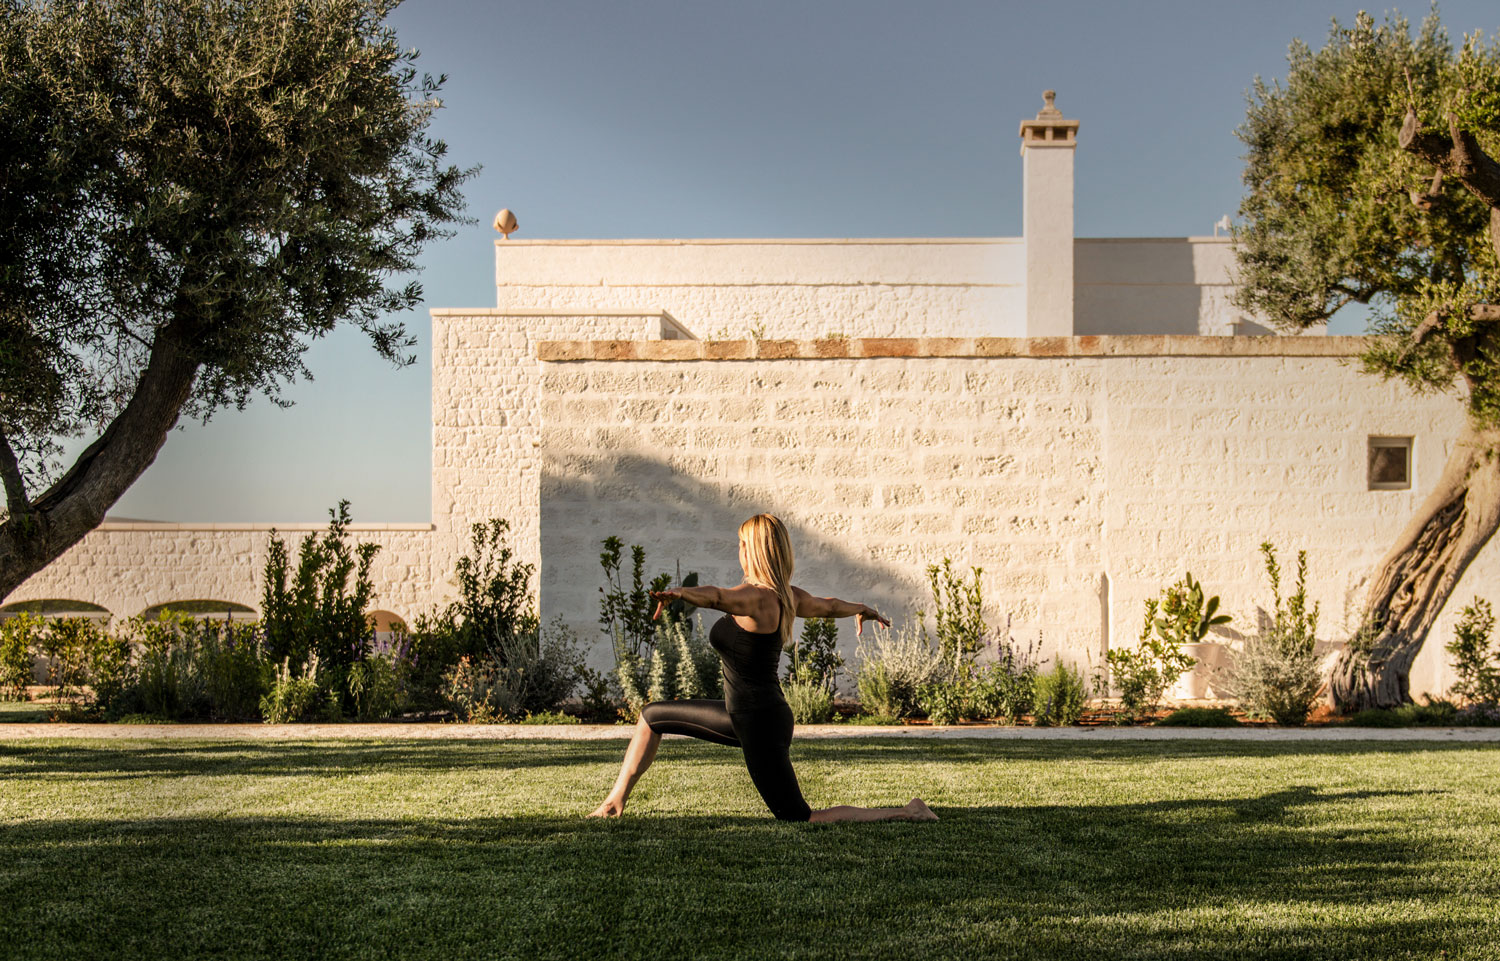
(750, 665)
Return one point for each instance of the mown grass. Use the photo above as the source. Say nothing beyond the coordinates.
(1160, 850)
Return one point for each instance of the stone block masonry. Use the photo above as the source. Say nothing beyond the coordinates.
(484, 448)
(1083, 474)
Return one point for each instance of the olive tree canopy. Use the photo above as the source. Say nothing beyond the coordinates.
(1371, 179)
(191, 192)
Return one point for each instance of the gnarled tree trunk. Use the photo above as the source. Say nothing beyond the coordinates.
(1417, 576)
(35, 533)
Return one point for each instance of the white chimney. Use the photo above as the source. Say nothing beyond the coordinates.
(1047, 144)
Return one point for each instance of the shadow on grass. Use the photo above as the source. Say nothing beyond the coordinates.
(152, 758)
(1291, 873)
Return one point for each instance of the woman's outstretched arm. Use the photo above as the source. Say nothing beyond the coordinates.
(745, 600)
(810, 606)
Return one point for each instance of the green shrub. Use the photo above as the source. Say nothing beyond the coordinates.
(467, 688)
(1199, 717)
(295, 698)
(871, 720)
(645, 670)
(377, 686)
(549, 717)
(1375, 717)
(66, 643)
(597, 699)
(494, 604)
(809, 697)
(893, 668)
(530, 673)
(1431, 713)
(20, 643)
(1277, 674)
(111, 675)
(1144, 675)
(1478, 715)
(494, 591)
(815, 655)
(1057, 697)
(319, 611)
(813, 664)
(169, 684)
(625, 615)
(1002, 688)
(187, 668)
(958, 612)
(945, 701)
(1477, 666)
(235, 672)
(678, 664)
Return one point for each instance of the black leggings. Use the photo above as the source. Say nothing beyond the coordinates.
(763, 735)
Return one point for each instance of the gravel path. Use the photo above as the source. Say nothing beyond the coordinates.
(587, 732)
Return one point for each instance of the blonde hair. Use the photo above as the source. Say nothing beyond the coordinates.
(768, 561)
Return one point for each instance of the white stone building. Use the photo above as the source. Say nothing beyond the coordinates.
(1082, 418)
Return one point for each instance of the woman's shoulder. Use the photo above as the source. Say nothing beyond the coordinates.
(768, 604)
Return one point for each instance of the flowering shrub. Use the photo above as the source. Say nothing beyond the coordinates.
(1277, 674)
(523, 674)
(1057, 697)
(679, 663)
(299, 697)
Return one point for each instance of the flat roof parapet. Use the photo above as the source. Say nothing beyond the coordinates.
(855, 348)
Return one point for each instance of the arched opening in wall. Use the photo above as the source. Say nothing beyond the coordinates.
(203, 610)
(55, 609)
(387, 626)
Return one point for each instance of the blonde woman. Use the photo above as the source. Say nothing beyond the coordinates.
(753, 716)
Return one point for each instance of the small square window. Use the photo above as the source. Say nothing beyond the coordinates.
(1390, 463)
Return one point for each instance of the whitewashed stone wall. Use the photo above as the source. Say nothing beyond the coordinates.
(727, 289)
(129, 567)
(1082, 474)
(1154, 285)
(732, 289)
(486, 418)
(484, 437)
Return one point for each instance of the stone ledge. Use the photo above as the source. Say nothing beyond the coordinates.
(169, 526)
(557, 351)
(563, 312)
(761, 242)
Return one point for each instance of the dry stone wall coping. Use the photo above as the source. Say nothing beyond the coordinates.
(562, 351)
(255, 526)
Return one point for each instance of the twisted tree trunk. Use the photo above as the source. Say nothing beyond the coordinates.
(1417, 576)
(35, 533)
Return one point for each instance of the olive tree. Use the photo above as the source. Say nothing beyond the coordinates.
(191, 192)
(1371, 179)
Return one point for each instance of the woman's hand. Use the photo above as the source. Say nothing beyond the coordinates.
(871, 614)
(662, 599)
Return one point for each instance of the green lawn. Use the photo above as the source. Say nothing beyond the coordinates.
(414, 849)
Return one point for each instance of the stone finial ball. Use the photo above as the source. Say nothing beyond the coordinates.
(505, 222)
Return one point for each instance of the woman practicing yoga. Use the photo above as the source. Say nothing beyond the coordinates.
(753, 716)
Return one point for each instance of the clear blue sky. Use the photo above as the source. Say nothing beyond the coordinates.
(721, 118)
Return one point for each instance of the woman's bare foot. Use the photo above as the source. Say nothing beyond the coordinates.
(919, 810)
(609, 809)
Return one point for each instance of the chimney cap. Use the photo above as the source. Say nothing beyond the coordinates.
(1049, 128)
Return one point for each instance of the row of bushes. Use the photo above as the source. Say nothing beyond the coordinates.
(313, 653)
(487, 657)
